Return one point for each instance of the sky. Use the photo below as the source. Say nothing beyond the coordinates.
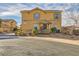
(12, 10)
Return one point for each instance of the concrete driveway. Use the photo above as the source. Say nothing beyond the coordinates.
(37, 46)
(34, 46)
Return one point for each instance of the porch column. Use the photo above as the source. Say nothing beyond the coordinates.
(48, 27)
(39, 27)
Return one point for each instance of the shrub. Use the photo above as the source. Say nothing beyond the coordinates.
(19, 33)
(35, 31)
(15, 29)
(58, 31)
(53, 29)
(76, 32)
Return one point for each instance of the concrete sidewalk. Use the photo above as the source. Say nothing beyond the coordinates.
(73, 42)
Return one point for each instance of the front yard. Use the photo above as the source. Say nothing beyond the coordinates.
(36, 47)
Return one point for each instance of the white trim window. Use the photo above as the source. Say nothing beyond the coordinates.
(36, 16)
(36, 26)
(57, 16)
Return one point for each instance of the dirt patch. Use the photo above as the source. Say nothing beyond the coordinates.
(35, 47)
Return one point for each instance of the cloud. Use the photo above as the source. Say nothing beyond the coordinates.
(8, 13)
(13, 9)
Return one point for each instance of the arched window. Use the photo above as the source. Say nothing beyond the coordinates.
(36, 16)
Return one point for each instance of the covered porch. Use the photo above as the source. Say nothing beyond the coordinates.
(45, 27)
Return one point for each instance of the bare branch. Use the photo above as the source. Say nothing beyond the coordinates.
(74, 16)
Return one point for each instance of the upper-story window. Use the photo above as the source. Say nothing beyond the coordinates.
(57, 16)
(36, 16)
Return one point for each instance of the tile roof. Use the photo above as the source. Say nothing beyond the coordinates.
(41, 10)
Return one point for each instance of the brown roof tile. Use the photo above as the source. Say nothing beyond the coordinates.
(41, 10)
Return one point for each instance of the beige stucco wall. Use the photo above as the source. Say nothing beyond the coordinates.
(28, 20)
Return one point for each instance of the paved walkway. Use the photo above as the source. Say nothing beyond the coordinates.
(74, 42)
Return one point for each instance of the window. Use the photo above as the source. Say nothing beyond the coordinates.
(36, 16)
(36, 26)
(57, 16)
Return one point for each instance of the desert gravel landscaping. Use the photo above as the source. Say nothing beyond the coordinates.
(37, 47)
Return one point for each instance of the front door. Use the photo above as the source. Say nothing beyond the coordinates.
(43, 28)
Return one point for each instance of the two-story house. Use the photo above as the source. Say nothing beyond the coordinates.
(7, 25)
(42, 20)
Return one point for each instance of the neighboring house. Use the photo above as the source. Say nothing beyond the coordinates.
(7, 25)
(70, 30)
(42, 20)
(67, 30)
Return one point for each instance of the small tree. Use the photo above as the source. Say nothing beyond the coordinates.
(75, 17)
(15, 29)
